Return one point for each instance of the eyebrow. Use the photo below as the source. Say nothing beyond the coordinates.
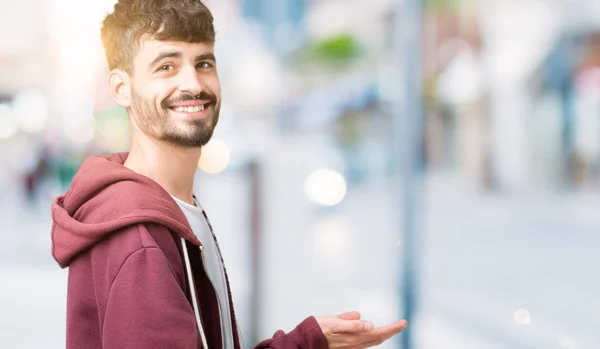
(163, 55)
(178, 55)
(206, 57)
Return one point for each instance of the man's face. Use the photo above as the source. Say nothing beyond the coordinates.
(176, 93)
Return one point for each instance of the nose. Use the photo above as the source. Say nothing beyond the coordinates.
(189, 81)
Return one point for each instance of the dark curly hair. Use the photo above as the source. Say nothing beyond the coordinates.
(131, 20)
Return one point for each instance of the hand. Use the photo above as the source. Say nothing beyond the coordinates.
(348, 331)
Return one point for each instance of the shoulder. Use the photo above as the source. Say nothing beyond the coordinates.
(110, 254)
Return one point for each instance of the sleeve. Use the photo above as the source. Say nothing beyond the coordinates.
(307, 335)
(146, 306)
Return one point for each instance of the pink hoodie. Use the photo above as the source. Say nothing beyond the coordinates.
(122, 235)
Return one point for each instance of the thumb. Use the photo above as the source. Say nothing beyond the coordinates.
(350, 315)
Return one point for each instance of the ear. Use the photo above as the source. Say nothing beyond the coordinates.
(119, 84)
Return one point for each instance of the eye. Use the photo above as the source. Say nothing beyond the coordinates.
(166, 67)
(204, 65)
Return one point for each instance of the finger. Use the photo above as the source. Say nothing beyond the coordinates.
(350, 315)
(382, 334)
(353, 326)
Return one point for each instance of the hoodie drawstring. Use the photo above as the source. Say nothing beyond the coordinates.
(193, 292)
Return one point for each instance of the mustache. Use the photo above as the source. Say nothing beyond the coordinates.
(184, 97)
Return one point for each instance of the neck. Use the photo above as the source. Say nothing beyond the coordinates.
(170, 166)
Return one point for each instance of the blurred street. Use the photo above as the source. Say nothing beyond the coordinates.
(487, 257)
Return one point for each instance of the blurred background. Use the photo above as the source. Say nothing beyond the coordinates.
(438, 160)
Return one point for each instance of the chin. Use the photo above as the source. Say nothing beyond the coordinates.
(188, 139)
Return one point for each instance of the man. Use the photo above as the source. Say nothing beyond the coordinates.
(145, 270)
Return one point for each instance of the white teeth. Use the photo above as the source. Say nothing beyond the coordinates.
(193, 109)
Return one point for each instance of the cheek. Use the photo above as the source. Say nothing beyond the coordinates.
(214, 84)
(162, 91)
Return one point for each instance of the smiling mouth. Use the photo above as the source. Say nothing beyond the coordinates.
(190, 109)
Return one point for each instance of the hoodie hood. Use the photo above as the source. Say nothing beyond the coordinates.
(106, 196)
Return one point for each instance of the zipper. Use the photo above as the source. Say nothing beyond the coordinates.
(220, 257)
(216, 294)
(193, 293)
(239, 334)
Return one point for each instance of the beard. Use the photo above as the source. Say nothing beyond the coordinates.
(158, 124)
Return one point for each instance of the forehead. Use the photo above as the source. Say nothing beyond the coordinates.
(151, 48)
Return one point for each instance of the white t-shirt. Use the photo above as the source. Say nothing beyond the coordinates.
(213, 264)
